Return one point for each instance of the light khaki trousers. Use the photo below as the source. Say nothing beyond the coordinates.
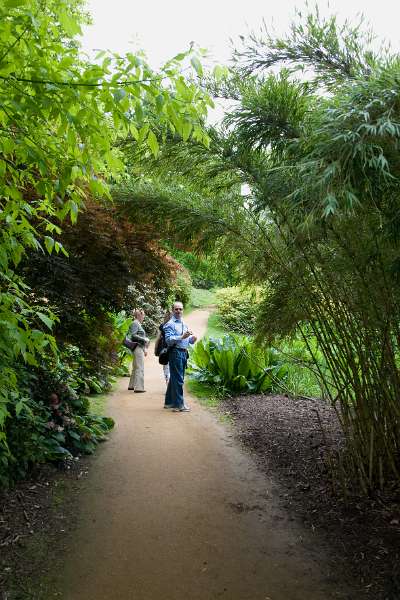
(137, 377)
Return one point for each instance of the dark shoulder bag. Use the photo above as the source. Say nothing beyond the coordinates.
(163, 357)
(129, 344)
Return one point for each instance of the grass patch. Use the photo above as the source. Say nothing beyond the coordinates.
(201, 298)
(98, 404)
(302, 382)
(208, 395)
(205, 394)
(215, 327)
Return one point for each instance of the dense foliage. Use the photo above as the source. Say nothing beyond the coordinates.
(60, 118)
(51, 420)
(319, 227)
(207, 272)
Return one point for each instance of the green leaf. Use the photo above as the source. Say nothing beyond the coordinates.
(219, 72)
(183, 90)
(19, 407)
(69, 23)
(159, 102)
(73, 211)
(186, 131)
(197, 66)
(114, 162)
(134, 131)
(49, 243)
(180, 56)
(244, 366)
(97, 187)
(153, 143)
(143, 132)
(45, 319)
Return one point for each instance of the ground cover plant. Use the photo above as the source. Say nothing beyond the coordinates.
(236, 363)
(215, 327)
(52, 420)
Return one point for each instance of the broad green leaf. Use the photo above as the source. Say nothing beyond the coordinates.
(97, 187)
(153, 143)
(69, 23)
(114, 162)
(49, 243)
(73, 211)
(186, 131)
(19, 407)
(46, 320)
(159, 102)
(197, 66)
(134, 131)
(219, 72)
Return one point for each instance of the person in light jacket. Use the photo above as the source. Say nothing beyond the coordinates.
(178, 337)
(137, 334)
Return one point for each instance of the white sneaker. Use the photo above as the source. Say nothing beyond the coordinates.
(184, 409)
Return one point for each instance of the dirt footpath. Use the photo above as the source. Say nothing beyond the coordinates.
(174, 509)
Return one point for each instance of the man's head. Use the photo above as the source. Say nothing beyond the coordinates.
(177, 309)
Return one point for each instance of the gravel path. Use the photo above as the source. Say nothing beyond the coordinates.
(174, 509)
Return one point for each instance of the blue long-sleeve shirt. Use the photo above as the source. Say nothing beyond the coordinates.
(173, 331)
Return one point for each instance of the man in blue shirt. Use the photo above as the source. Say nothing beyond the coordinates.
(178, 337)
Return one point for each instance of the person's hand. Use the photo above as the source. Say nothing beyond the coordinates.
(145, 352)
(187, 334)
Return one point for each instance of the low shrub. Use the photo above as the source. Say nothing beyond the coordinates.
(237, 308)
(49, 418)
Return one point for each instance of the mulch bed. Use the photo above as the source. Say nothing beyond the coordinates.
(35, 518)
(295, 441)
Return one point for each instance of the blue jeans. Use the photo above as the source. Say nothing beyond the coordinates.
(177, 366)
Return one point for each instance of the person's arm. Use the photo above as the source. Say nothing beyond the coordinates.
(134, 335)
(171, 337)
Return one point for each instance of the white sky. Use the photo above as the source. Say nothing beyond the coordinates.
(165, 27)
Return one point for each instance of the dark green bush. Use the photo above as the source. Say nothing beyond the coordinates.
(50, 420)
